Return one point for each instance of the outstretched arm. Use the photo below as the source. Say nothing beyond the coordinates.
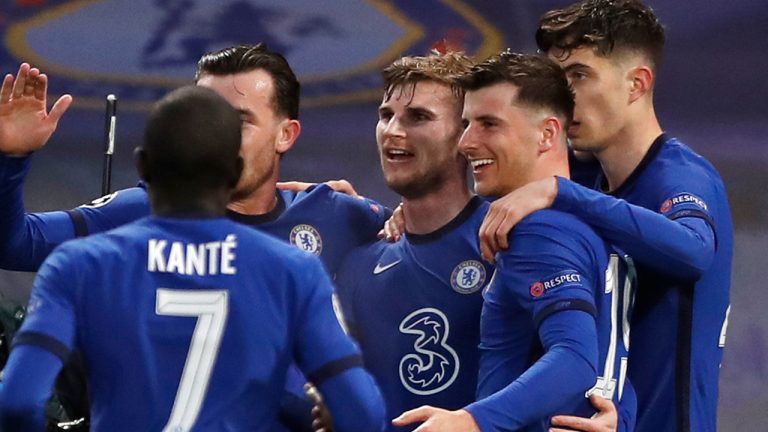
(25, 126)
(684, 246)
(26, 238)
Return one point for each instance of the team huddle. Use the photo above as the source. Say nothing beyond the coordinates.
(582, 282)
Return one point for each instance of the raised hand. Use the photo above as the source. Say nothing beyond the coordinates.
(25, 123)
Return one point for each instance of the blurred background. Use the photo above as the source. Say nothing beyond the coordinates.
(711, 93)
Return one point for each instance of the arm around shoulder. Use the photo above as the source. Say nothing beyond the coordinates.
(685, 246)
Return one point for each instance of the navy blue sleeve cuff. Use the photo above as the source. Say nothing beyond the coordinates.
(48, 343)
(563, 305)
(78, 222)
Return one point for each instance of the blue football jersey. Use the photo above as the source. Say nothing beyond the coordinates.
(318, 220)
(188, 323)
(414, 307)
(554, 327)
(672, 216)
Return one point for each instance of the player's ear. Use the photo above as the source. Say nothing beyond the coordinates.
(551, 129)
(290, 129)
(140, 160)
(640, 82)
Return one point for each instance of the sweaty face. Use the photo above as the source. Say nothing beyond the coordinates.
(500, 139)
(251, 94)
(602, 97)
(417, 135)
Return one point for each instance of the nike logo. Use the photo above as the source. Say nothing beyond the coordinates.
(380, 268)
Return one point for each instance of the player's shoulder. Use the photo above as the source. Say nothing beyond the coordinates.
(323, 198)
(676, 172)
(556, 228)
(550, 220)
(675, 157)
(475, 210)
(136, 194)
(97, 250)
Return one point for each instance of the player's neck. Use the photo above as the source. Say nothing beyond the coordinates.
(260, 201)
(628, 148)
(190, 204)
(432, 211)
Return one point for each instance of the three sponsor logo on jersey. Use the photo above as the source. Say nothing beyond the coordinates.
(433, 365)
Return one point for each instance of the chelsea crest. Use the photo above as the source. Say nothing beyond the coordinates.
(306, 238)
(468, 277)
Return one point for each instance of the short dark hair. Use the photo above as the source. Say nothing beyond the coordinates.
(192, 140)
(245, 58)
(443, 68)
(607, 25)
(541, 82)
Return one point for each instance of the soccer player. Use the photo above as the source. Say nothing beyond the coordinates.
(260, 84)
(551, 323)
(211, 311)
(256, 81)
(661, 202)
(414, 306)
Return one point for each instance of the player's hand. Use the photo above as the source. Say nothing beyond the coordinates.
(394, 227)
(507, 211)
(342, 186)
(438, 420)
(606, 419)
(25, 123)
(321, 415)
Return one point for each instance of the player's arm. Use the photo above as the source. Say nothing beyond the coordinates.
(26, 239)
(565, 323)
(331, 361)
(684, 245)
(27, 385)
(341, 185)
(40, 348)
(681, 241)
(25, 127)
(562, 374)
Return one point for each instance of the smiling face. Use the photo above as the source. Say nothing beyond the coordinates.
(500, 139)
(263, 140)
(417, 134)
(602, 88)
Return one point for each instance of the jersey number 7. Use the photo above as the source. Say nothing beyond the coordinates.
(211, 308)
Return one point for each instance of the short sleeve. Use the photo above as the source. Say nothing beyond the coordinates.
(547, 270)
